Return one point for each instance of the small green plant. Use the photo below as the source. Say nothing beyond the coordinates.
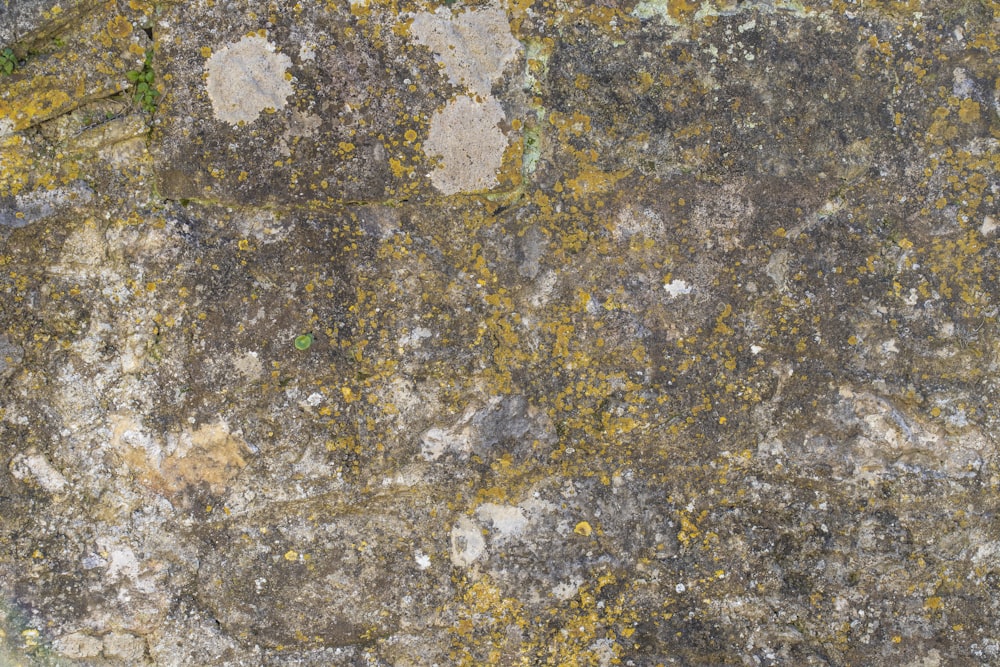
(144, 80)
(8, 61)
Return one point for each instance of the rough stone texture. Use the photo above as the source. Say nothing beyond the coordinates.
(346, 101)
(644, 333)
(26, 22)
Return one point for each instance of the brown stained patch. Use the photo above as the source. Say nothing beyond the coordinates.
(215, 456)
(207, 456)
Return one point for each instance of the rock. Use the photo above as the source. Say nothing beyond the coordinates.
(29, 207)
(55, 82)
(333, 589)
(467, 543)
(11, 355)
(124, 646)
(506, 521)
(638, 333)
(35, 468)
(33, 20)
(359, 98)
(78, 645)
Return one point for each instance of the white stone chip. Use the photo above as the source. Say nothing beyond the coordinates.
(676, 288)
(37, 468)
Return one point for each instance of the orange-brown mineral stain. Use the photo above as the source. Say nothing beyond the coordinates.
(207, 456)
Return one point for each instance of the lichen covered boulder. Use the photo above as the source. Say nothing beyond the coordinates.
(499, 333)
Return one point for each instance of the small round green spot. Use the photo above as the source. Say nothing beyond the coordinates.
(304, 341)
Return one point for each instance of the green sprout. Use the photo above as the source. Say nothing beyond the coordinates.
(144, 80)
(8, 61)
(303, 342)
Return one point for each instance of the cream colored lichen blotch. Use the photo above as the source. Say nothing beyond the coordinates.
(474, 47)
(466, 140)
(246, 78)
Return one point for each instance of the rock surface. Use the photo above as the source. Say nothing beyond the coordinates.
(643, 332)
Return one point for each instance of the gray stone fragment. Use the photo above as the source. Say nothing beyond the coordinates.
(11, 355)
(30, 207)
(24, 20)
(124, 646)
(78, 645)
(35, 468)
(467, 543)
(508, 424)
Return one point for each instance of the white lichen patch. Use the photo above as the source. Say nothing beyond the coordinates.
(307, 51)
(469, 146)
(247, 78)
(665, 11)
(567, 590)
(677, 288)
(474, 46)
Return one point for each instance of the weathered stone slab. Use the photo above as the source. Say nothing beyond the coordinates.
(340, 575)
(28, 20)
(713, 383)
(24, 209)
(738, 98)
(58, 80)
(333, 102)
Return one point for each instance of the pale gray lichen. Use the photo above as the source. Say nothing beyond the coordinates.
(474, 47)
(466, 137)
(246, 78)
